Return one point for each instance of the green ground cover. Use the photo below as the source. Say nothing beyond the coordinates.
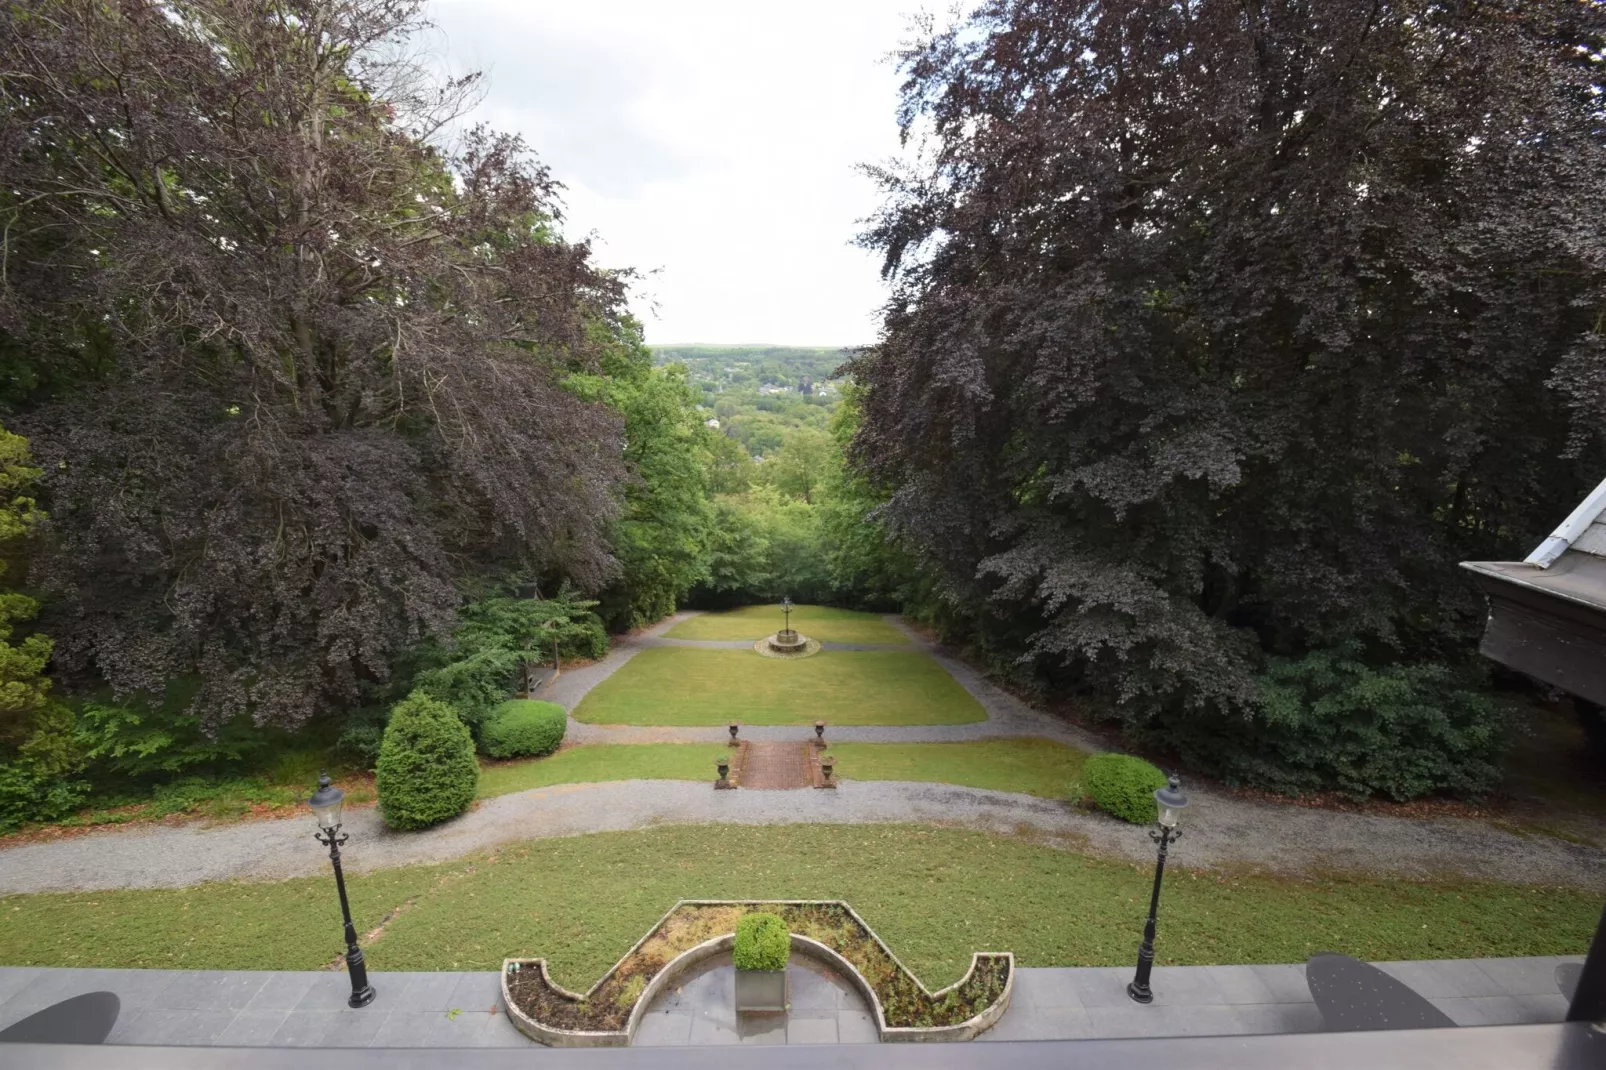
(282, 783)
(825, 623)
(603, 761)
(935, 895)
(1030, 766)
(688, 686)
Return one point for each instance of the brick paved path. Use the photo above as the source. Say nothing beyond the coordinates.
(776, 766)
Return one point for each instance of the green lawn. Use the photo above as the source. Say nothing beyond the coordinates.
(817, 622)
(688, 686)
(1031, 766)
(606, 761)
(935, 895)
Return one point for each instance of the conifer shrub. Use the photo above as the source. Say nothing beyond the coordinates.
(524, 728)
(427, 771)
(762, 943)
(1123, 786)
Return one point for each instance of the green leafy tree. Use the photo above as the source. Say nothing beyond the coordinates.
(806, 460)
(867, 565)
(661, 539)
(38, 753)
(316, 356)
(497, 638)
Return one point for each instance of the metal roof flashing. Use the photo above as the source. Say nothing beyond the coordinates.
(1576, 532)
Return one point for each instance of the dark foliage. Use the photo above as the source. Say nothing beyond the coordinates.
(291, 372)
(524, 728)
(1123, 786)
(427, 771)
(1223, 331)
(1329, 722)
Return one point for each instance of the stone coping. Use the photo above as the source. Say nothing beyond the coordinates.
(574, 1038)
(804, 648)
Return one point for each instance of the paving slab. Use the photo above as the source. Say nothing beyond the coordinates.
(1534, 976)
(1043, 1023)
(459, 1010)
(253, 1029)
(1240, 984)
(1286, 983)
(811, 1030)
(281, 992)
(1441, 980)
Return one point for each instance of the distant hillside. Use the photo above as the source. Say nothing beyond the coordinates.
(733, 367)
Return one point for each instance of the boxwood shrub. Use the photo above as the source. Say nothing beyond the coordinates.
(762, 943)
(427, 770)
(1123, 786)
(523, 728)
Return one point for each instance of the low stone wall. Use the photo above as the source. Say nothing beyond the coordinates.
(570, 1038)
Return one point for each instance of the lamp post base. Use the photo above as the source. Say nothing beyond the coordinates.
(361, 997)
(1139, 993)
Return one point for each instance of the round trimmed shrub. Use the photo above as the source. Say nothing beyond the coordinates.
(762, 943)
(427, 771)
(523, 728)
(1123, 786)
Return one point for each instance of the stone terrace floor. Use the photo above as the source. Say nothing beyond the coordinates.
(446, 1010)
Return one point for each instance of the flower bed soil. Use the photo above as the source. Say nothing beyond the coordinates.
(905, 1003)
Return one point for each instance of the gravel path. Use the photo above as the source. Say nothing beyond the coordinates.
(1220, 833)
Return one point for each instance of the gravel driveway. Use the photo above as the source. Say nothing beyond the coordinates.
(1220, 832)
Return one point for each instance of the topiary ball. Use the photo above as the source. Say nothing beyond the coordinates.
(427, 770)
(762, 943)
(523, 728)
(1123, 786)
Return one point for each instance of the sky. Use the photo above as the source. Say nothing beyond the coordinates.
(712, 144)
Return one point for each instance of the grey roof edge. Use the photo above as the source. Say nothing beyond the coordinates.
(1568, 1046)
(1512, 572)
(1576, 524)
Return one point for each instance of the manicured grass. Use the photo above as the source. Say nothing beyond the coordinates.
(817, 622)
(934, 894)
(607, 761)
(688, 686)
(1030, 766)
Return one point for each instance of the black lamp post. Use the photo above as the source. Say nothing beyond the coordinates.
(786, 609)
(326, 803)
(1169, 800)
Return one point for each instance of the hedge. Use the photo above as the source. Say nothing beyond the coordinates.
(524, 728)
(1123, 786)
(427, 771)
(762, 943)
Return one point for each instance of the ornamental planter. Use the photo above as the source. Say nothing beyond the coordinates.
(762, 992)
(829, 931)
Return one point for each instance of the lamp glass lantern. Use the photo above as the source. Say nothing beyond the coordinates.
(326, 803)
(1169, 801)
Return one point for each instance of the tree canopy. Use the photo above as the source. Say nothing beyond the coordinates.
(290, 366)
(1225, 330)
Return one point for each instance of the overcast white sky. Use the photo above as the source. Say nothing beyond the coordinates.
(711, 141)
